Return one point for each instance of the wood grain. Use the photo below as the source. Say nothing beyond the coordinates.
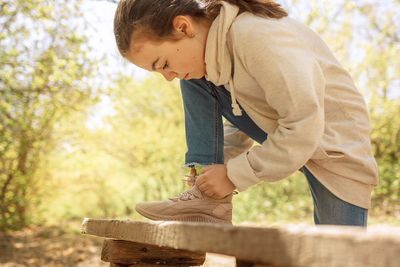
(127, 252)
(294, 245)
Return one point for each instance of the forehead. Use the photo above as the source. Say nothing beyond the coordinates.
(143, 54)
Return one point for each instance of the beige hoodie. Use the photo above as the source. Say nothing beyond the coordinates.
(290, 84)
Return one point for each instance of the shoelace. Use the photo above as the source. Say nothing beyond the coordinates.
(193, 178)
(187, 195)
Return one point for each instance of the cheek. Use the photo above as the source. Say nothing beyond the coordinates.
(195, 60)
(188, 60)
(187, 63)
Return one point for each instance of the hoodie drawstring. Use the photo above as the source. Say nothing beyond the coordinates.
(235, 106)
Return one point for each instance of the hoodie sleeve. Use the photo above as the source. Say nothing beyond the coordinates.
(235, 141)
(293, 85)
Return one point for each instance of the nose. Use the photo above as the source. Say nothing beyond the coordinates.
(169, 75)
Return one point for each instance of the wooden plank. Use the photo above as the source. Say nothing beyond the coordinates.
(127, 252)
(293, 245)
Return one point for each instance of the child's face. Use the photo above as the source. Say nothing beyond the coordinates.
(182, 59)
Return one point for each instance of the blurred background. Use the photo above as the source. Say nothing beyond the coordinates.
(84, 134)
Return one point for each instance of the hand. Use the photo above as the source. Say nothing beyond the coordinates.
(214, 182)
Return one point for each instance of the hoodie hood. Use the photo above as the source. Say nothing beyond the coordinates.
(217, 56)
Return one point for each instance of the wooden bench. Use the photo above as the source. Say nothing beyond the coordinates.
(144, 243)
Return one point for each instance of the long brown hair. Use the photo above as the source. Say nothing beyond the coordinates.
(154, 18)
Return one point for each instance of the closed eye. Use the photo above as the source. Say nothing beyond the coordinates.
(165, 65)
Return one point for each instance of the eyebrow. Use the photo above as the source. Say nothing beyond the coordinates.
(153, 66)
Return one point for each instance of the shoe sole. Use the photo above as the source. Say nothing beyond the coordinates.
(194, 217)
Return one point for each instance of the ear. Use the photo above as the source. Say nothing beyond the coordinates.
(183, 26)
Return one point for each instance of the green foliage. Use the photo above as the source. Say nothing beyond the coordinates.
(287, 200)
(153, 133)
(135, 154)
(386, 144)
(42, 67)
(55, 164)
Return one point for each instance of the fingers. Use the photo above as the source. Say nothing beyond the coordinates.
(201, 179)
(209, 193)
(190, 182)
(204, 186)
(201, 183)
(206, 190)
(188, 179)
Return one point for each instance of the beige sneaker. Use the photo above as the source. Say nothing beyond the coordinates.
(191, 205)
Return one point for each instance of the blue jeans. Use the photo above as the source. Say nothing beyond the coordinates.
(205, 104)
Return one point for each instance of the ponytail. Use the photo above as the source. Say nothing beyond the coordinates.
(262, 8)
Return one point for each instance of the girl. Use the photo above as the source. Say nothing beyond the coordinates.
(276, 82)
